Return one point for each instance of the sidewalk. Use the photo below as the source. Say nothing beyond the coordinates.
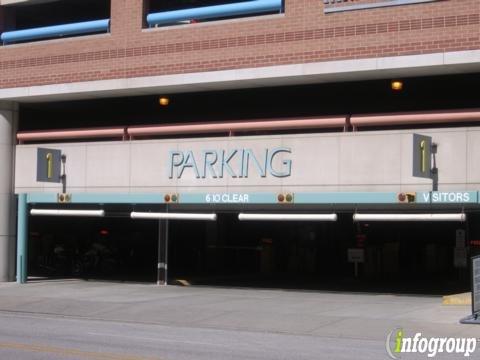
(368, 316)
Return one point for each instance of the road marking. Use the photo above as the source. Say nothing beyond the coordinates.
(71, 352)
(158, 339)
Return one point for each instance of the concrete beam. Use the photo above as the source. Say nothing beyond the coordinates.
(294, 74)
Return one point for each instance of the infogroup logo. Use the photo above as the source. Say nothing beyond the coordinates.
(397, 343)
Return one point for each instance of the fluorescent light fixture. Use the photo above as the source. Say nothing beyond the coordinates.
(288, 217)
(173, 216)
(58, 212)
(410, 217)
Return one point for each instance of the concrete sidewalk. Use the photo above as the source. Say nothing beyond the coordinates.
(366, 316)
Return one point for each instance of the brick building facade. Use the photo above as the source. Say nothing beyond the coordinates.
(334, 58)
(303, 34)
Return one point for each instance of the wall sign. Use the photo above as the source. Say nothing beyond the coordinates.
(356, 255)
(476, 284)
(49, 163)
(234, 163)
(422, 156)
(228, 198)
(475, 317)
(444, 197)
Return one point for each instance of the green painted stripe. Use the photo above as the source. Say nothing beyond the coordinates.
(346, 198)
(100, 198)
(460, 197)
(46, 198)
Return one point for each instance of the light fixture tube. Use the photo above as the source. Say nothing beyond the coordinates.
(173, 216)
(64, 212)
(287, 217)
(410, 217)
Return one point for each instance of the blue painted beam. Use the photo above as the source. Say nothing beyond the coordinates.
(460, 197)
(221, 198)
(215, 11)
(22, 239)
(99, 198)
(86, 27)
(346, 198)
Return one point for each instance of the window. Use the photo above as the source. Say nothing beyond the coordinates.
(28, 22)
(174, 12)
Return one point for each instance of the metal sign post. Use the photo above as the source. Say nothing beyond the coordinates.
(356, 256)
(475, 317)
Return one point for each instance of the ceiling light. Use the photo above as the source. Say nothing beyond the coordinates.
(164, 101)
(397, 85)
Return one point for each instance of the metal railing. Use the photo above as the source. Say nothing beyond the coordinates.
(46, 32)
(343, 122)
(214, 11)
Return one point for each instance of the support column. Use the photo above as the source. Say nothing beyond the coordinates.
(8, 121)
(162, 262)
(126, 18)
(22, 239)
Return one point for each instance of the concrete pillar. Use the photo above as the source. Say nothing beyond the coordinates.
(8, 121)
(126, 18)
(162, 264)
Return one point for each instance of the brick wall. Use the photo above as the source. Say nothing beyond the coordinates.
(303, 34)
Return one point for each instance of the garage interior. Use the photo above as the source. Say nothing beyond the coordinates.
(400, 257)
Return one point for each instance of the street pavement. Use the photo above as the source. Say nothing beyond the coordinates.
(103, 320)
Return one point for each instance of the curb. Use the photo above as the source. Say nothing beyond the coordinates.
(181, 282)
(458, 299)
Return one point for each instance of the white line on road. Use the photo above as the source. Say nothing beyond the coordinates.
(157, 339)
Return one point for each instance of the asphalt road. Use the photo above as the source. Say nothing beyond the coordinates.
(31, 336)
(109, 321)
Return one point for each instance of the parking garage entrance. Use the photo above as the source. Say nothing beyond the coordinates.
(404, 257)
(395, 256)
(107, 248)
